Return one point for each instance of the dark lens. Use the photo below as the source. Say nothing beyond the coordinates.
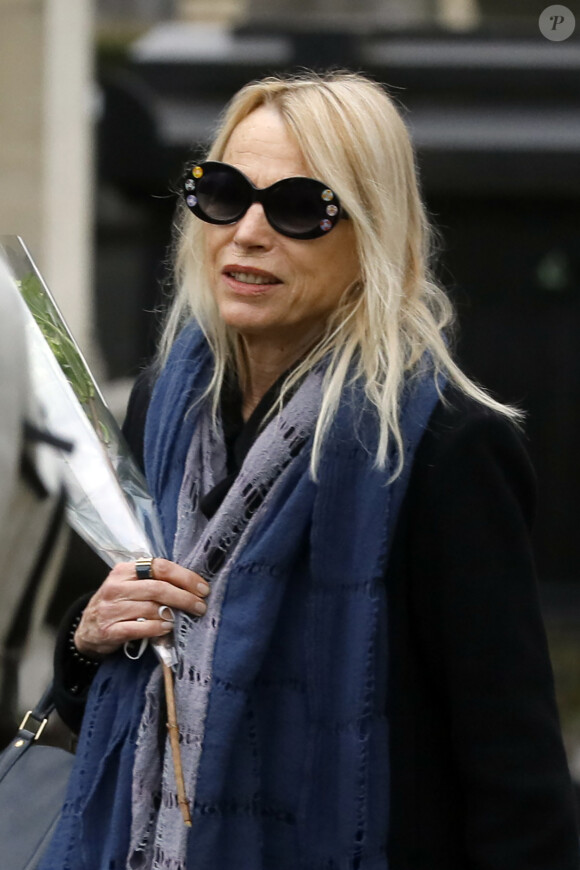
(222, 194)
(296, 206)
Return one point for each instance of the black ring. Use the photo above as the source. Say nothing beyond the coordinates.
(143, 569)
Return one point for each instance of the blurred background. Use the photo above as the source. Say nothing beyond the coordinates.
(102, 102)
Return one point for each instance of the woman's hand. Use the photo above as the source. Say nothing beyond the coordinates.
(125, 608)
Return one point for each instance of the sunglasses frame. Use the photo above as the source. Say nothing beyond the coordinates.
(331, 209)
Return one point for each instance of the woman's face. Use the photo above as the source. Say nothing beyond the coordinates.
(267, 286)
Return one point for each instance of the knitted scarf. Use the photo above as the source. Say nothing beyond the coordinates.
(281, 686)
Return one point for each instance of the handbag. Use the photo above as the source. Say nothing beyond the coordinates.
(33, 781)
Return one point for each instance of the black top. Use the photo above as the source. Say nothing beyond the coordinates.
(479, 779)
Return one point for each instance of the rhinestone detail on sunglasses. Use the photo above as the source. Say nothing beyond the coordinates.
(298, 207)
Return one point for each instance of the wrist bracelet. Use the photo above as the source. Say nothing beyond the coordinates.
(81, 659)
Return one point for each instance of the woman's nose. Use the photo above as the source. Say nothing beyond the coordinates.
(253, 229)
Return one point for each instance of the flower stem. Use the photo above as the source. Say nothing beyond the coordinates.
(174, 740)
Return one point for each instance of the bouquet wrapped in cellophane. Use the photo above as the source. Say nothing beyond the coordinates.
(107, 499)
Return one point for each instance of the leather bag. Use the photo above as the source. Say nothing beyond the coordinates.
(33, 781)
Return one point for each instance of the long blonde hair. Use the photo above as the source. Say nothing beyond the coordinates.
(353, 137)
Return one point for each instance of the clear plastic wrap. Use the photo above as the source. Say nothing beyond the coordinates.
(107, 499)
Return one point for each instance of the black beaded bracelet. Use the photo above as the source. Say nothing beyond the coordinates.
(81, 659)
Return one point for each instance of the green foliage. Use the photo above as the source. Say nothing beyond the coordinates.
(46, 316)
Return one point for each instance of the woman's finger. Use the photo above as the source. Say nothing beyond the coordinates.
(177, 575)
(121, 632)
(171, 585)
(129, 610)
(94, 638)
(163, 593)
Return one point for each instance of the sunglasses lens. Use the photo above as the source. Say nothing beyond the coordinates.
(296, 207)
(222, 194)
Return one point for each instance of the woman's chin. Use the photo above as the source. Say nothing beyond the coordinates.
(246, 319)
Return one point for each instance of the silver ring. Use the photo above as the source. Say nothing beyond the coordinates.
(165, 609)
(144, 569)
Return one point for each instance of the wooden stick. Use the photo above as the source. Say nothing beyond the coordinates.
(174, 740)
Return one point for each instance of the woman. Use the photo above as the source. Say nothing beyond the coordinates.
(363, 679)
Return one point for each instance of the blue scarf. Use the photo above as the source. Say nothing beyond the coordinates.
(294, 773)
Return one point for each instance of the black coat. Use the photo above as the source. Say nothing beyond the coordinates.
(479, 779)
(479, 776)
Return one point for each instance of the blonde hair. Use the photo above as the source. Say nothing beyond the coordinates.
(352, 137)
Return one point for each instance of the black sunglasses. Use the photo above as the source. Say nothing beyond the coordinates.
(301, 208)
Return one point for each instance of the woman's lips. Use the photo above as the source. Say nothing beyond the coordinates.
(249, 281)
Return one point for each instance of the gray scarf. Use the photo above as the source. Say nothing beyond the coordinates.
(158, 835)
